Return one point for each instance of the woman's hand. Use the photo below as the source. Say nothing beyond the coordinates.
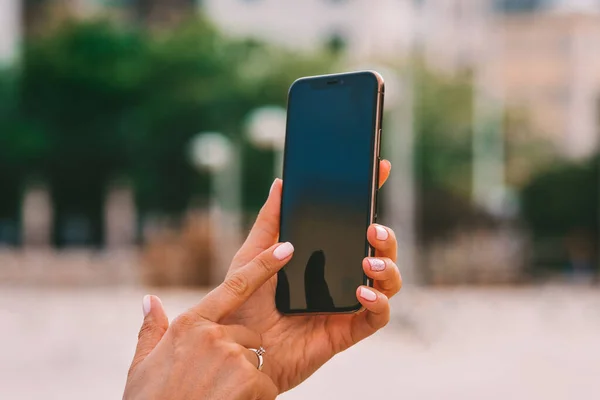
(197, 358)
(299, 345)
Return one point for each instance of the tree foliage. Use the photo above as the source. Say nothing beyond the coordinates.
(564, 198)
(97, 100)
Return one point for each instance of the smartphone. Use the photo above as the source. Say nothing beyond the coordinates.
(330, 186)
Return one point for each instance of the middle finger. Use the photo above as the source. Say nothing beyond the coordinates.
(383, 239)
(244, 336)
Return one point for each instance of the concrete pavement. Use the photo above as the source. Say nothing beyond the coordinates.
(501, 343)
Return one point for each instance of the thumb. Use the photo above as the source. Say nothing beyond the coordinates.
(153, 329)
(241, 284)
(265, 231)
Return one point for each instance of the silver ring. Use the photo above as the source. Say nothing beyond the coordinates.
(259, 353)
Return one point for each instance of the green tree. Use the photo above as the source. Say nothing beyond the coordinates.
(77, 85)
(563, 198)
(99, 100)
(561, 207)
(443, 155)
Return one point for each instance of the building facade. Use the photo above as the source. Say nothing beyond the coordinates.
(540, 56)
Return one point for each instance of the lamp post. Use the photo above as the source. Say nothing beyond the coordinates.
(266, 129)
(215, 153)
(489, 186)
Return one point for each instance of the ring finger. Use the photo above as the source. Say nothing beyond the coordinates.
(253, 357)
(247, 339)
(385, 273)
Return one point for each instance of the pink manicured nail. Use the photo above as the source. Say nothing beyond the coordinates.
(283, 251)
(273, 184)
(376, 264)
(147, 304)
(367, 294)
(381, 233)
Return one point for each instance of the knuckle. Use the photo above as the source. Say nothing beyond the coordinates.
(237, 284)
(147, 329)
(213, 333)
(230, 353)
(182, 324)
(262, 264)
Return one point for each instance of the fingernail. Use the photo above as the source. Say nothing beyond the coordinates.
(381, 233)
(273, 185)
(147, 304)
(376, 264)
(283, 251)
(367, 294)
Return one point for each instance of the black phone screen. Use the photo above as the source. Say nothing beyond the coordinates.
(327, 190)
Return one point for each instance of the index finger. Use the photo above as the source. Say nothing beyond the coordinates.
(241, 284)
(385, 168)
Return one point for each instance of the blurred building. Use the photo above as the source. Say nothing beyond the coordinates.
(38, 15)
(537, 55)
(363, 28)
(10, 30)
(549, 66)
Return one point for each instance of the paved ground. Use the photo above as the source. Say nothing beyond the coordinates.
(532, 343)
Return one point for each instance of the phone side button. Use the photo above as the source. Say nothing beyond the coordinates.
(376, 205)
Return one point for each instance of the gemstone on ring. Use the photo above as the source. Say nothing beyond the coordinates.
(259, 354)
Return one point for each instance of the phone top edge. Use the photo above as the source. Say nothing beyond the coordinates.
(375, 74)
(380, 80)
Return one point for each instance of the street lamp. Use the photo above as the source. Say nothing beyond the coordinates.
(215, 153)
(210, 151)
(266, 129)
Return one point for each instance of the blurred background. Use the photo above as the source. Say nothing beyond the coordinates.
(139, 138)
